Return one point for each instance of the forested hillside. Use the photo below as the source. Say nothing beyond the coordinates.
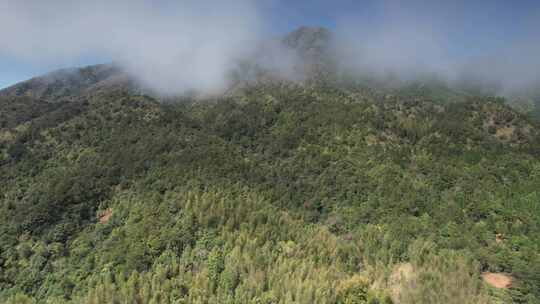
(275, 193)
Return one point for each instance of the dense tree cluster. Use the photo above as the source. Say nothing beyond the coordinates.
(275, 194)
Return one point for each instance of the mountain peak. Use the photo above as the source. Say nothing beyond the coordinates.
(306, 38)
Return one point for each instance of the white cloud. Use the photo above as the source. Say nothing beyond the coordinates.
(178, 45)
(171, 46)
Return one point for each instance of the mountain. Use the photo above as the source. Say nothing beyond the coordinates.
(282, 192)
(314, 40)
(314, 47)
(75, 81)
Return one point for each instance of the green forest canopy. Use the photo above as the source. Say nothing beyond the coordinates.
(275, 194)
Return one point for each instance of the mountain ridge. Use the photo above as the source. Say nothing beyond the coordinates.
(278, 192)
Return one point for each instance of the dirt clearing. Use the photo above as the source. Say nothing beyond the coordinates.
(497, 280)
(105, 216)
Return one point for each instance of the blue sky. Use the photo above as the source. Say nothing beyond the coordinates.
(473, 26)
(470, 28)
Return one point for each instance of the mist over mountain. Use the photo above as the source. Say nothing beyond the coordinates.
(160, 46)
(173, 48)
(214, 160)
(305, 56)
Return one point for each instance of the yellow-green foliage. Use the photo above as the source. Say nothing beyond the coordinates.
(261, 254)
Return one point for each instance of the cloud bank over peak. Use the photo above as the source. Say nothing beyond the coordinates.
(458, 41)
(176, 46)
(171, 47)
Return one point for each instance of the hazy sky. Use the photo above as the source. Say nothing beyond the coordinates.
(189, 43)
